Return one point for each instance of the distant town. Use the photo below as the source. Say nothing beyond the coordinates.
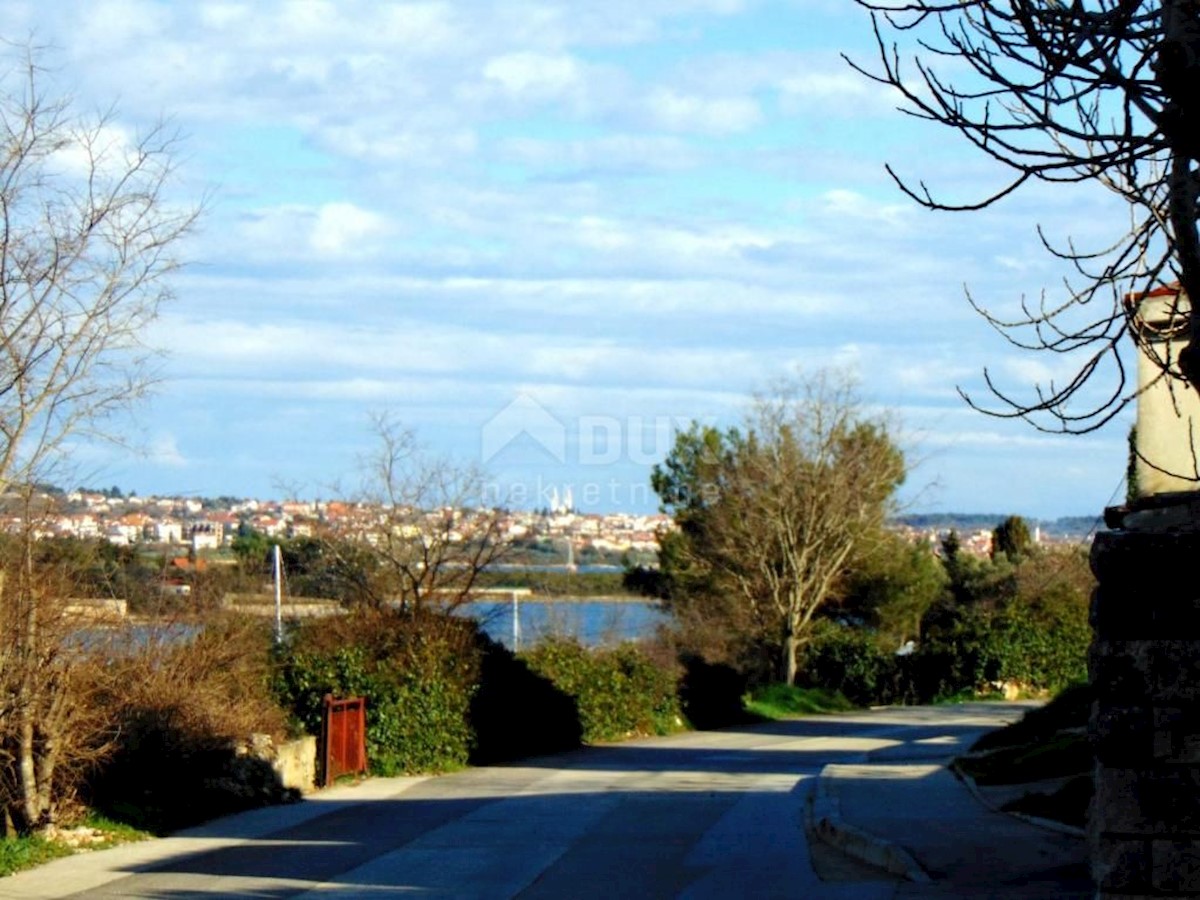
(211, 524)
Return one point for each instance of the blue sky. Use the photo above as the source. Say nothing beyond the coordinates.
(621, 215)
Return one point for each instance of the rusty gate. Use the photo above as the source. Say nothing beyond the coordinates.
(344, 738)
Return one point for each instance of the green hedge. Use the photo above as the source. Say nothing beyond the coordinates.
(440, 694)
(969, 651)
(851, 661)
(619, 692)
(516, 712)
(417, 673)
(1045, 653)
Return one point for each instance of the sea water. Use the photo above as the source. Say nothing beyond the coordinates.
(591, 622)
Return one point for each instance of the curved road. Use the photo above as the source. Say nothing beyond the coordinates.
(702, 814)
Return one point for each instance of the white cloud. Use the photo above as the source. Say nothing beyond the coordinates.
(609, 154)
(225, 15)
(345, 229)
(834, 90)
(537, 75)
(336, 230)
(1028, 371)
(676, 111)
(121, 21)
(431, 203)
(164, 451)
(431, 142)
(843, 202)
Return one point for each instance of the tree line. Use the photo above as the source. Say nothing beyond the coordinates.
(782, 569)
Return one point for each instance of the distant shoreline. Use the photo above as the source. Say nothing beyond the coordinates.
(551, 598)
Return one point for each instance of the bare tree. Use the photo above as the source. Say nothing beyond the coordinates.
(419, 534)
(88, 236)
(1058, 91)
(770, 518)
(51, 728)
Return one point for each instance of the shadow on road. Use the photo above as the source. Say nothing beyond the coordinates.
(644, 818)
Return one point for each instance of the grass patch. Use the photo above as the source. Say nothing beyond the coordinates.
(97, 832)
(1066, 712)
(1057, 756)
(1068, 804)
(17, 853)
(781, 701)
(112, 832)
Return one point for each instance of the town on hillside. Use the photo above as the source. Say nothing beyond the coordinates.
(559, 533)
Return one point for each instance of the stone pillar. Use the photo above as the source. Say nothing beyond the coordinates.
(1144, 827)
(1168, 409)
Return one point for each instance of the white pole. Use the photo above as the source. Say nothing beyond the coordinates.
(278, 594)
(516, 616)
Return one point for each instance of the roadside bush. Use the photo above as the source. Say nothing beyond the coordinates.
(710, 694)
(977, 650)
(516, 712)
(417, 671)
(179, 707)
(851, 661)
(967, 649)
(618, 691)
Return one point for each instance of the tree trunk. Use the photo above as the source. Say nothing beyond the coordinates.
(30, 814)
(27, 699)
(791, 646)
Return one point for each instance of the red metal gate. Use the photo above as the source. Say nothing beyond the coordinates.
(344, 737)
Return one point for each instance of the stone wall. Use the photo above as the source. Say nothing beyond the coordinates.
(265, 773)
(1144, 826)
(296, 764)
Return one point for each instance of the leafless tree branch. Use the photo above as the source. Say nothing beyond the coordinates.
(1063, 91)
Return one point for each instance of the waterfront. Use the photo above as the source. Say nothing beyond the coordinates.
(593, 621)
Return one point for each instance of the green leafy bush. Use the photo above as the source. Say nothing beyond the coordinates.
(966, 649)
(850, 661)
(516, 712)
(977, 650)
(711, 693)
(418, 673)
(618, 691)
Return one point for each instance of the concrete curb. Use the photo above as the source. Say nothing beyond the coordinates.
(823, 819)
(1037, 821)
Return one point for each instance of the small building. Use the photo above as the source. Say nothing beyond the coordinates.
(207, 535)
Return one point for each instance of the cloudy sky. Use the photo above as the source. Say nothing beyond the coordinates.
(544, 233)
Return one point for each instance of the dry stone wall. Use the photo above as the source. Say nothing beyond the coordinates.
(1144, 826)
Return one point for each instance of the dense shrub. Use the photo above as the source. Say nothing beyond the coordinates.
(618, 691)
(516, 712)
(851, 661)
(710, 694)
(1013, 645)
(418, 673)
(178, 709)
(967, 650)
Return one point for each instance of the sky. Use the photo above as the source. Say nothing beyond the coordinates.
(544, 235)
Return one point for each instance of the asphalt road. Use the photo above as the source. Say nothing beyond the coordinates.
(697, 815)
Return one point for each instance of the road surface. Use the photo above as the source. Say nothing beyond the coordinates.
(696, 815)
